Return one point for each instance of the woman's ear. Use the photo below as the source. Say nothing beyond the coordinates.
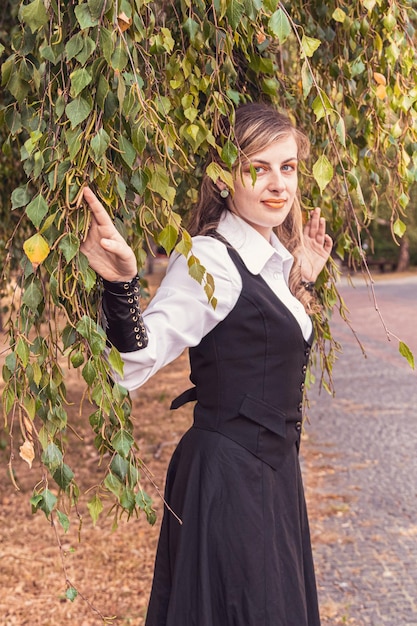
(220, 184)
(223, 188)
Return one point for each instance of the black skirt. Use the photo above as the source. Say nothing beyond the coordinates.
(242, 555)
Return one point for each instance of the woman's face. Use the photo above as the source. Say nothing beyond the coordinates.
(267, 203)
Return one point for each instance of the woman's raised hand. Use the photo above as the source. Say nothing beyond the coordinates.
(108, 253)
(317, 246)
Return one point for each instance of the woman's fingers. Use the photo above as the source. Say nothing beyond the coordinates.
(107, 252)
(315, 228)
(97, 209)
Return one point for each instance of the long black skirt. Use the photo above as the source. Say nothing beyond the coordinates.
(242, 555)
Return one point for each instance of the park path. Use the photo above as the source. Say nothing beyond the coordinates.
(363, 445)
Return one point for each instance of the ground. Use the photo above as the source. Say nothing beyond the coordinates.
(110, 568)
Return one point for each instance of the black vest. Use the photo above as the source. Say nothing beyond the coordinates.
(249, 372)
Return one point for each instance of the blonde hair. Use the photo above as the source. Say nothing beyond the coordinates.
(256, 126)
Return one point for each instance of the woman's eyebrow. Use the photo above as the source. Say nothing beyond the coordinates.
(255, 160)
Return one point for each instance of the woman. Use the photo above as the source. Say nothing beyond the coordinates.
(242, 555)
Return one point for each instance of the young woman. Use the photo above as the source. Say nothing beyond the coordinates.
(242, 555)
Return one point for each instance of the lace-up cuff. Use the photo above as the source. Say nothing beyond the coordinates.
(123, 318)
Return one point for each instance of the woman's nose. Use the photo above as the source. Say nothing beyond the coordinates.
(277, 182)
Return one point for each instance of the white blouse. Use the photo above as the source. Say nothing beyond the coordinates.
(179, 315)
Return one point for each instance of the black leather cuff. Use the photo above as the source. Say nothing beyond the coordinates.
(124, 324)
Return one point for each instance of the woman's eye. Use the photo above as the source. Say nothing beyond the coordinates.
(289, 167)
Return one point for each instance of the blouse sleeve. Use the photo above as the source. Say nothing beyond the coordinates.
(179, 315)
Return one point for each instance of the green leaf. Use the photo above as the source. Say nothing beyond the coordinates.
(34, 15)
(89, 373)
(167, 238)
(84, 17)
(229, 153)
(47, 502)
(341, 131)
(319, 107)
(406, 352)
(144, 502)
(73, 139)
(79, 80)
(309, 45)
(119, 466)
(35, 501)
(63, 520)
(119, 58)
(97, 7)
(74, 46)
(71, 593)
(116, 361)
(195, 269)
(11, 362)
(32, 296)
(52, 457)
(399, 227)
(86, 51)
(9, 398)
(159, 183)
(279, 25)
(139, 140)
(122, 441)
(339, 15)
(20, 197)
(95, 335)
(99, 144)
(77, 358)
(306, 79)
(214, 171)
(69, 244)
(235, 10)
(322, 172)
(95, 506)
(192, 28)
(184, 246)
(106, 44)
(127, 151)
(22, 351)
(113, 484)
(77, 111)
(127, 499)
(63, 476)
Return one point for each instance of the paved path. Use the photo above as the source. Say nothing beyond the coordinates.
(364, 445)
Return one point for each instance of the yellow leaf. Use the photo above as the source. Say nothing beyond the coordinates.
(36, 249)
(381, 92)
(27, 452)
(380, 78)
(124, 21)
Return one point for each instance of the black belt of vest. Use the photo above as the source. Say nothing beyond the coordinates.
(264, 430)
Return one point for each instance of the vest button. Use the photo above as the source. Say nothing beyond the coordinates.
(298, 427)
(300, 407)
(302, 387)
(304, 369)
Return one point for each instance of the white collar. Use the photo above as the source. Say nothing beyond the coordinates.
(252, 247)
